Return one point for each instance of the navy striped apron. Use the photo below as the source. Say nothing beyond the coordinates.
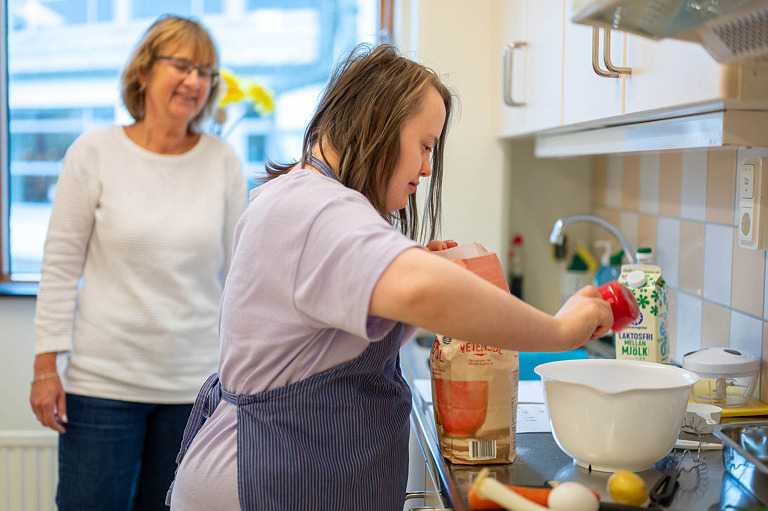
(337, 440)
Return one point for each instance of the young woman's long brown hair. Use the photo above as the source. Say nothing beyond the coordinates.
(369, 98)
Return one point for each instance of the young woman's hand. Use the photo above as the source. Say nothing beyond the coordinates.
(437, 245)
(586, 315)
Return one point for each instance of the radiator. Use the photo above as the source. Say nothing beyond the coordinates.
(28, 470)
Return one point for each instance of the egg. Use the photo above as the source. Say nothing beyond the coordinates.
(570, 496)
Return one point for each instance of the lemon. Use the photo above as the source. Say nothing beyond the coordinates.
(627, 488)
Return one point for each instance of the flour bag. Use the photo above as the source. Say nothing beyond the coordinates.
(474, 387)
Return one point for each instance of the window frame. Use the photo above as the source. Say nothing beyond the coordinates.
(7, 286)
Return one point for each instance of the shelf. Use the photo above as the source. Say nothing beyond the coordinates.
(708, 125)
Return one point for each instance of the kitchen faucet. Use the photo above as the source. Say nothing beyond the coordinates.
(557, 238)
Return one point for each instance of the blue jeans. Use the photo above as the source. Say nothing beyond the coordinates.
(118, 455)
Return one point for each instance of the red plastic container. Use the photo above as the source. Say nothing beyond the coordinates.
(623, 304)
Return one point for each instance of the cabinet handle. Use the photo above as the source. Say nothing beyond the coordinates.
(596, 59)
(507, 72)
(607, 55)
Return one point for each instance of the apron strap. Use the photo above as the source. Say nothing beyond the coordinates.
(206, 402)
(322, 167)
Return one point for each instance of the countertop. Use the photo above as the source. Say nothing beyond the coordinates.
(703, 487)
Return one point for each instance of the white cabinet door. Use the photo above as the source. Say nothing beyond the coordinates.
(586, 95)
(536, 71)
(669, 74)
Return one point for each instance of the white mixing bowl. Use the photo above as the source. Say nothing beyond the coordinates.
(611, 415)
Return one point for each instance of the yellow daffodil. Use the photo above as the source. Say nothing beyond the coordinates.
(233, 92)
(258, 98)
(261, 98)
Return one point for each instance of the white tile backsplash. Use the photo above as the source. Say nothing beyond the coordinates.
(648, 197)
(746, 333)
(668, 249)
(765, 291)
(718, 260)
(688, 325)
(693, 202)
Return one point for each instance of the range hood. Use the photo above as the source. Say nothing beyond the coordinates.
(731, 30)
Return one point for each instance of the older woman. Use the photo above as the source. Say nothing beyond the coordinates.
(137, 251)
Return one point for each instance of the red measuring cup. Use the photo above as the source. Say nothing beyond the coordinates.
(623, 304)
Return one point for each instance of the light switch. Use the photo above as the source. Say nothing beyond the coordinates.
(747, 181)
(745, 224)
(753, 203)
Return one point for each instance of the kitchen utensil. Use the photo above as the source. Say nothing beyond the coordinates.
(699, 418)
(623, 304)
(489, 488)
(696, 445)
(664, 490)
(745, 454)
(611, 415)
(727, 377)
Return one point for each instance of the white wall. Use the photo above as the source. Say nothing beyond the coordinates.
(16, 355)
(458, 39)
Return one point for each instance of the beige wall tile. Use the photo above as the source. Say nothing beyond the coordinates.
(716, 325)
(613, 216)
(647, 233)
(721, 185)
(599, 180)
(670, 182)
(748, 279)
(630, 181)
(693, 202)
(614, 172)
(691, 272)
(598, 233)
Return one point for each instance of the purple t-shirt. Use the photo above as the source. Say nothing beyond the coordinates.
(308, 252)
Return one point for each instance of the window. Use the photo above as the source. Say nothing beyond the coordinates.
(64, 58)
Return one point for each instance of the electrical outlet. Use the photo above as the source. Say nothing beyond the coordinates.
(753, 203)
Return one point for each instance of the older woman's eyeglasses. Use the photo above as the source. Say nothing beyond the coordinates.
(185, 68)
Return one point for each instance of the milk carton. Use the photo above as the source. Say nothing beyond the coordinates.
(646, 339)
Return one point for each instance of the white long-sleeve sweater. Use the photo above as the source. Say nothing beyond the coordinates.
(151, 237)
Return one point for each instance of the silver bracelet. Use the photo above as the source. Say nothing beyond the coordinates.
(44, 377)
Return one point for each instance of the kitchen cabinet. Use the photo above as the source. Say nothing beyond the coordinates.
(662, 79)
(669, 73)
(534, 78)
(586, 95)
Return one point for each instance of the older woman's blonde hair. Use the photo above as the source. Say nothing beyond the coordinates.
(370, 97)
(167, 34)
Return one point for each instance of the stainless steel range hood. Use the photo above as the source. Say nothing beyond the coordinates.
(731, 30)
